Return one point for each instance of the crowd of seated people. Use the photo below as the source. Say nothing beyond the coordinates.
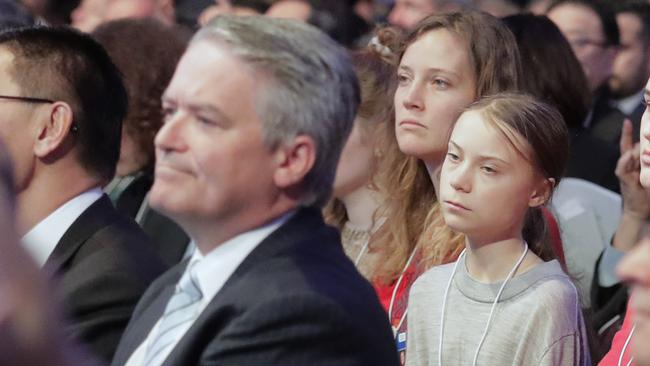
(294, 182)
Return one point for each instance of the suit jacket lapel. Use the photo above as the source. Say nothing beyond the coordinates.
(98, 215)
(149, 310)
(303, 223)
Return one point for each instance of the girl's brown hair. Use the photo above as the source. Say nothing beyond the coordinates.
(413, 218)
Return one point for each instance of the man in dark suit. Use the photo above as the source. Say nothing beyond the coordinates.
(62, 103)
(256, 116)
(631, 67)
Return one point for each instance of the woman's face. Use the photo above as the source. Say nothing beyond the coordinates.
(486, 185)
(357, 162)
(436, 81)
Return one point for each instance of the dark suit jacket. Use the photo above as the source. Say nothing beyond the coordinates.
(607, 120)
(102, 265)
(295, 300)
(592, 159)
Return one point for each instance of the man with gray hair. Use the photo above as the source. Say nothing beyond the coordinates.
(256, 116)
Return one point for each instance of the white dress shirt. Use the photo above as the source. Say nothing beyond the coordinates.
(213, 270)
(41, 240)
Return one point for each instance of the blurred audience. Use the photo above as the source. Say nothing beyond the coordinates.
(591, 29)
(501, 8)
(407, 13)
(632, 63)
(90, 13)
(336, 18)
(53, 12)
(553, 74)
(237, 7)
(13, 14)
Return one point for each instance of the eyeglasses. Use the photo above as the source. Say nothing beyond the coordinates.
(74, 127)
(26, 99)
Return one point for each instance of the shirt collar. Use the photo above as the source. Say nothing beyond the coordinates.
(41, 240)
(214, 268)
(627, 105)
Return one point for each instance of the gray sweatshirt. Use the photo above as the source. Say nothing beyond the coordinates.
(537, 321)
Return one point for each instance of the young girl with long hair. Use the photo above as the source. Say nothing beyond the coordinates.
(500, 303)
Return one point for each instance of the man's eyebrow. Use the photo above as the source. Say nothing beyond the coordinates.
(200, 107)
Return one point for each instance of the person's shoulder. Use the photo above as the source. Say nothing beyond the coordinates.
(434, 277)
(555, 292)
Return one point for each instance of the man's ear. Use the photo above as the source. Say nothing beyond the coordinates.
(542, 193)
(55, 124)
(293, 161)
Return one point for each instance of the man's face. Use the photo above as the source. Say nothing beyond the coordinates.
(211, 163)
(17, 126)
(584, 31)
(407, 13)
(632, 64)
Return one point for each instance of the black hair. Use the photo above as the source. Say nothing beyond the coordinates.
(63, 64)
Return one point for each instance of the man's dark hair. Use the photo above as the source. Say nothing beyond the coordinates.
(63, 64)
(605, 13)
(639, 8)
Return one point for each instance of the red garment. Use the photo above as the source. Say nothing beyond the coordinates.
(385, 294)
(621, 337)
(556, 239)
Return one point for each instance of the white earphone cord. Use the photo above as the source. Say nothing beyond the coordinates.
(494, 304)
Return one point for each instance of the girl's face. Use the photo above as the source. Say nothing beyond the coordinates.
(486, 185)
(357, 162)
(436, 82)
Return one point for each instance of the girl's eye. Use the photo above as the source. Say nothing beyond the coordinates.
(204, 120)
(452, 157)
(440, 83)
(488, 169)
(402, 79)
(168, 112)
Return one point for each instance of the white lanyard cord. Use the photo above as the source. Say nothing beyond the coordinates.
(494, 304)
(627, 341)
(394, 295)
(361, 253)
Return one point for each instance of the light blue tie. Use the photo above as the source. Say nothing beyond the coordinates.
(181, 310)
